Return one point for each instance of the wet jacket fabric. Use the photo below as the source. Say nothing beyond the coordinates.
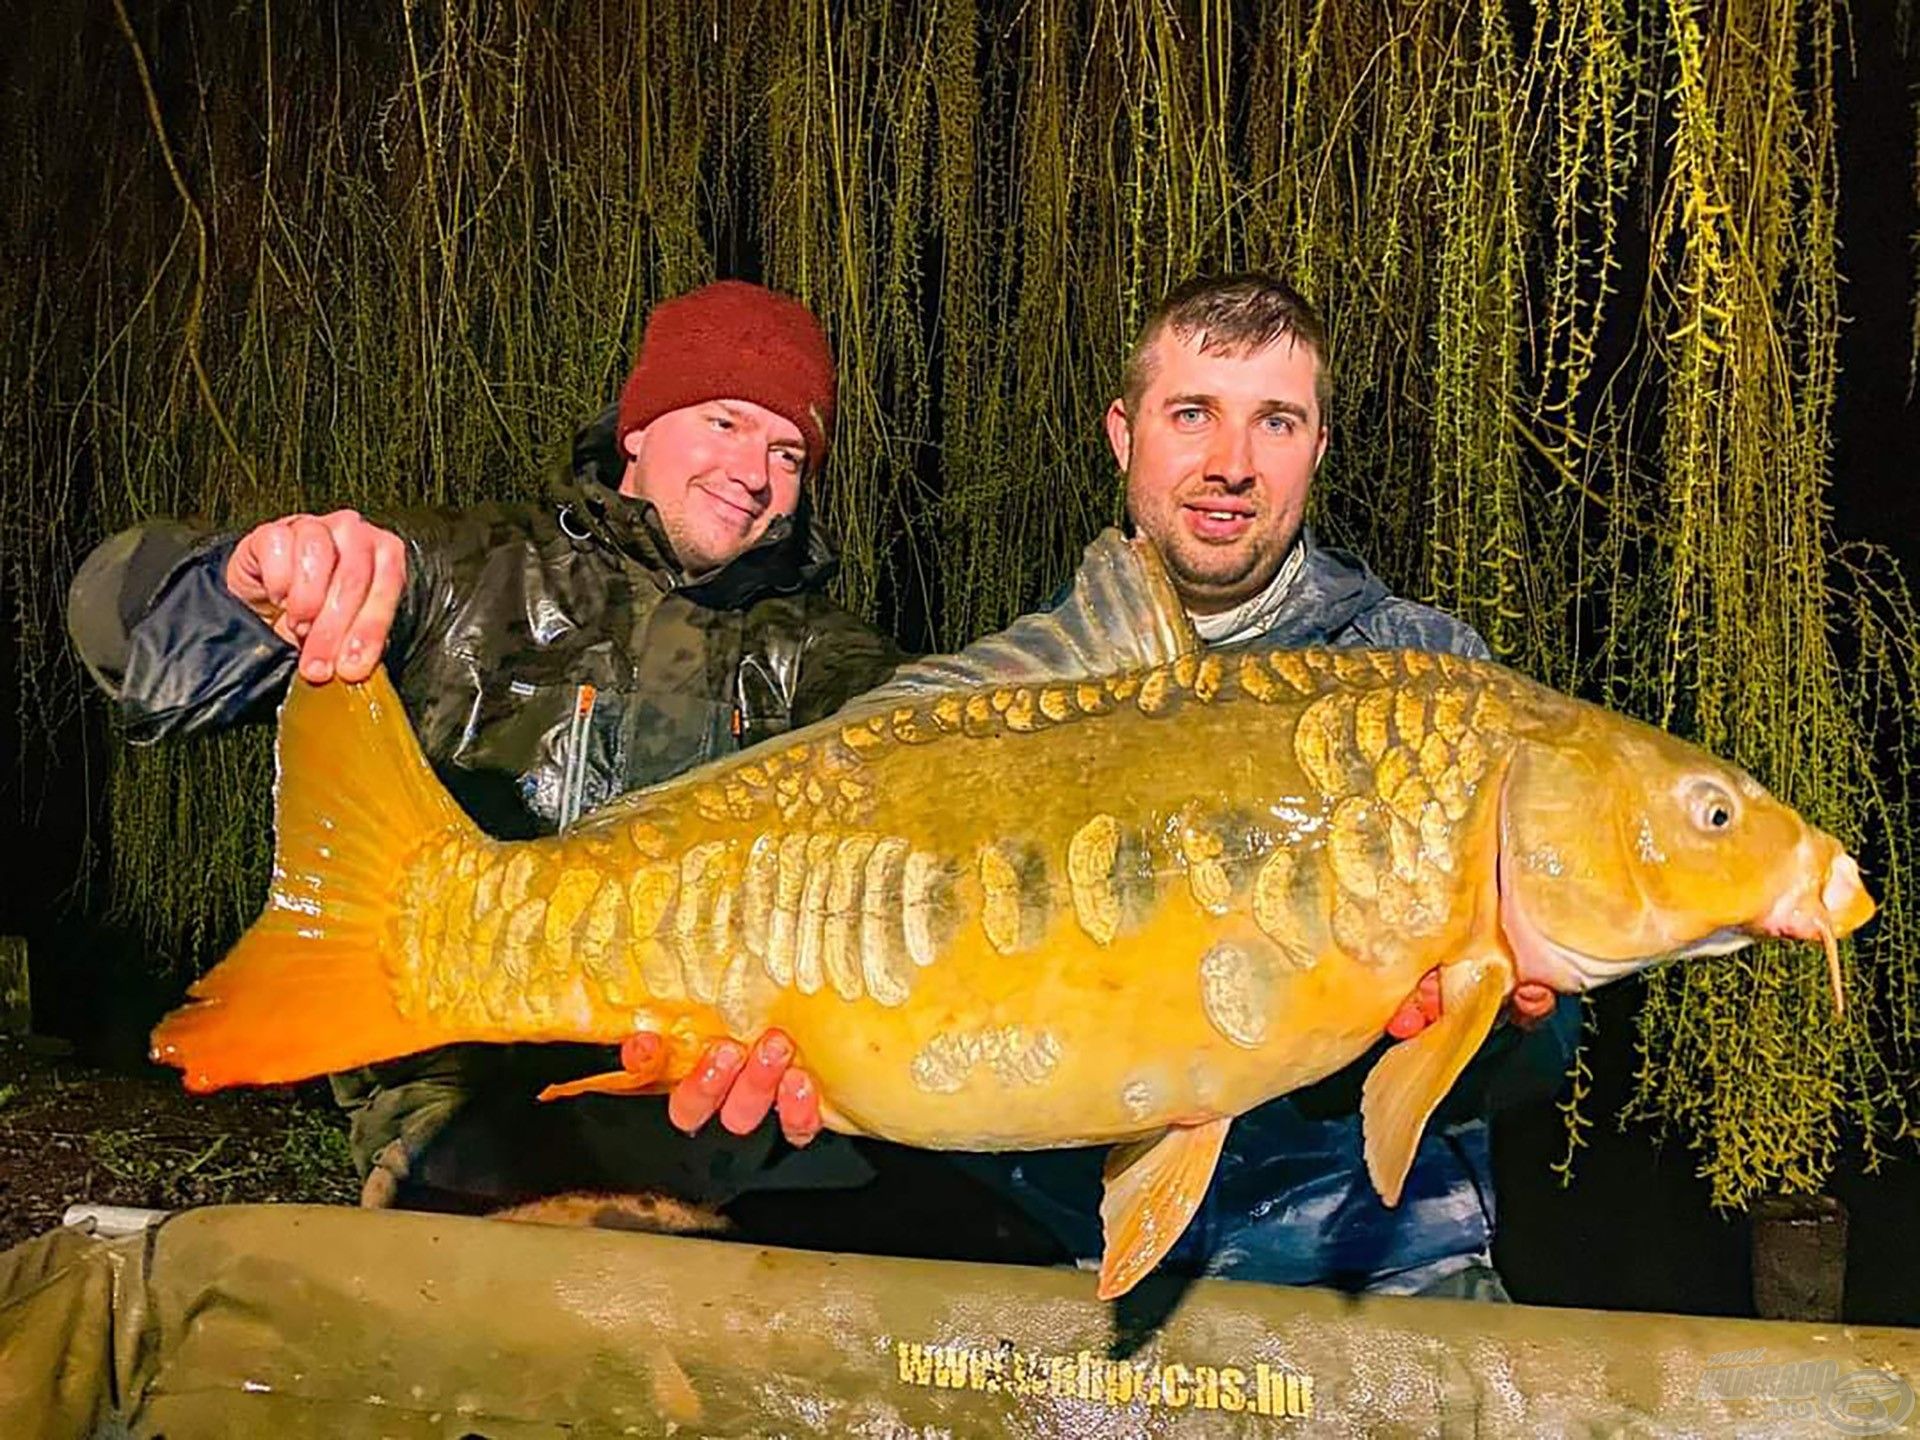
(510, 611)
(1291, 1202)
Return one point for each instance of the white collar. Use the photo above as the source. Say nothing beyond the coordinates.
(1255, 616)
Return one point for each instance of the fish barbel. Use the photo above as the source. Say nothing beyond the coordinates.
(1087, 882)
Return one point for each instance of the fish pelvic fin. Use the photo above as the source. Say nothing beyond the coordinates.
(1152, 1189)
(308, 989)
(1409, 1081)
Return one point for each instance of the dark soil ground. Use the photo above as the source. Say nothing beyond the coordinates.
(73, 1133)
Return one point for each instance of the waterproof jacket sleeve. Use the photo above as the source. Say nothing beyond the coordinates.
(153, 621)
(151, 616)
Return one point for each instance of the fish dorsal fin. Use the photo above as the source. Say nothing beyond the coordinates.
(1121, 614)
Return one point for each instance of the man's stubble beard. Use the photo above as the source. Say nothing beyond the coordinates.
(1240, 575)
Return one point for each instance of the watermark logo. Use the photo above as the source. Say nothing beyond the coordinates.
(1853, 1402)
(1257, 1389)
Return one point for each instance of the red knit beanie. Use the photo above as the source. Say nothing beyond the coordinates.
(733, 341)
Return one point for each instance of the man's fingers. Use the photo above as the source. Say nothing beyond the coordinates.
(352, 575)
(1418, 1010)
(799, 1107)
(1408, 1021)
(693, 1101)
(1428, 994)
(261, 568)
(752, 1094)
(329, 585)
(366, 638)
(1531, 1003)
(313, 559)
(274, 557)
(741, 1087)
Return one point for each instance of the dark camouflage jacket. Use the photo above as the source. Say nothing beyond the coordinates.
(510, 610)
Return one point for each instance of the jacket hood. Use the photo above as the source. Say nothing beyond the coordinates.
(1333, 587)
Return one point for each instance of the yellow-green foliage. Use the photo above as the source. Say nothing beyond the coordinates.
(368, 255)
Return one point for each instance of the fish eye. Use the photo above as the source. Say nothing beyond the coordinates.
(1713, 806)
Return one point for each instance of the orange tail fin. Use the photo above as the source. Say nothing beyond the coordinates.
(307, 990)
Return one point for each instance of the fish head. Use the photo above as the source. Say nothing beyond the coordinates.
(1623, 847)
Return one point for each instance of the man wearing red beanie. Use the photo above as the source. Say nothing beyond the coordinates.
(724, 373)
(665, 606)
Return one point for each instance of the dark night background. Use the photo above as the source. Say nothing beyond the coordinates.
(1634, 1230)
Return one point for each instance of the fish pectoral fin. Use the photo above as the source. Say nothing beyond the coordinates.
(1410, 1080)
(610, 1082)
(1152, 1189)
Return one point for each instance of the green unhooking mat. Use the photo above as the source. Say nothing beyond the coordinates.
(294, 1321)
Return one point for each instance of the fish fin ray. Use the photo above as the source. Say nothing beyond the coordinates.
(1152, 1188)
(1409, 1081)
(608, 1082)
(1121, 614)
(307, 990)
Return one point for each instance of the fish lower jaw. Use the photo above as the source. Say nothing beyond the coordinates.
(1721, 942)
(1571, 972)
(1830, 900)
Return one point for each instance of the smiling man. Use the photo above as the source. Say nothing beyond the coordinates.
(712, 507)
(1218, 452)
(664, 607)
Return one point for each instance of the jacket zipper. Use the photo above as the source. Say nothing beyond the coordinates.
(574, 778)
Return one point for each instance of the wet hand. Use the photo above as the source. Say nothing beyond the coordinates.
(741, 1087)
(1529, 1004)
(329, 585)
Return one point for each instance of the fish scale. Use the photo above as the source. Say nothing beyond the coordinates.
(810, 914)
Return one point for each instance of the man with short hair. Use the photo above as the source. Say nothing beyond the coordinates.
(663, 608)
(1220, 428)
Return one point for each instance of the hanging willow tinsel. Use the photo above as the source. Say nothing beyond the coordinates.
(1578, 258)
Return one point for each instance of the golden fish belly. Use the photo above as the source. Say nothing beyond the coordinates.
(1020, 918)
(1183, 1021)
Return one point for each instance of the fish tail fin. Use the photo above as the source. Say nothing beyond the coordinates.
(309, 988)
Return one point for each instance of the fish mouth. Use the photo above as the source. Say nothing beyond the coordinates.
(1842, 905)
(1839, 906)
